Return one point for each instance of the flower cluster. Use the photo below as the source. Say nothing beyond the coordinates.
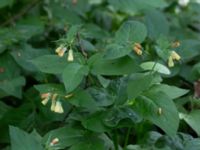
(61, 51)
(56, 105)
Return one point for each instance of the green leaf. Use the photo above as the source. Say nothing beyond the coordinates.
(138, 83)
(153, 19)
(4, 3)
(26, 53)
(72, 33)
(172, 91)
(121, 66)
(101, 96)
(52, 64)
(94, 122)
(154, 66)
(192, 144)
(114, 51)
(13, 86)
(136, 6)
(21, 140)
(89, 143)
(67, 136)
(73, 75)
(131, 32)
(116, 115)
(83, 99)
(193, 120)
(148, 106)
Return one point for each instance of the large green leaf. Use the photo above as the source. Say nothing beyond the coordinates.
(89, 143)
(4, 3)
(73, 75)
(121, 66)
(172, 91)
(138, 83)
(131, 32)
(83, 99)
(13, 86)
(134, 6)
(193, 120)
(153, 20)
(67, 136)
(50, 63)
(159, 109)
(26, 53)
(20, 140)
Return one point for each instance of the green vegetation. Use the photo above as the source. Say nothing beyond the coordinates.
(99, 74)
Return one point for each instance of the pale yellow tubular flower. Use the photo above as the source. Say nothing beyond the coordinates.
(61, 50)
(175, 56)
(45, 98)
(58, 107)
(68, 96)
(137, 49)
(54, 142)
(170, 61)
(70, 55)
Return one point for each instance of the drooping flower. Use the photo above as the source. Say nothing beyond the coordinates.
(137, 49)
(58, 107)
(170, 61)
(45, 98)
(70, 55)
(61, 50)
(175, 56)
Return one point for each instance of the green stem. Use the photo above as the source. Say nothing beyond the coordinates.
(115, 139)
(127, 137)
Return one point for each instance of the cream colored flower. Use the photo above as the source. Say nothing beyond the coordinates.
(175, 56)
(170, 61)
(70, 55)
(61, 50)
(58, 108)
(45, 98)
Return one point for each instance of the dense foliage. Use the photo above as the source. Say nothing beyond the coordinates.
(99, 74)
